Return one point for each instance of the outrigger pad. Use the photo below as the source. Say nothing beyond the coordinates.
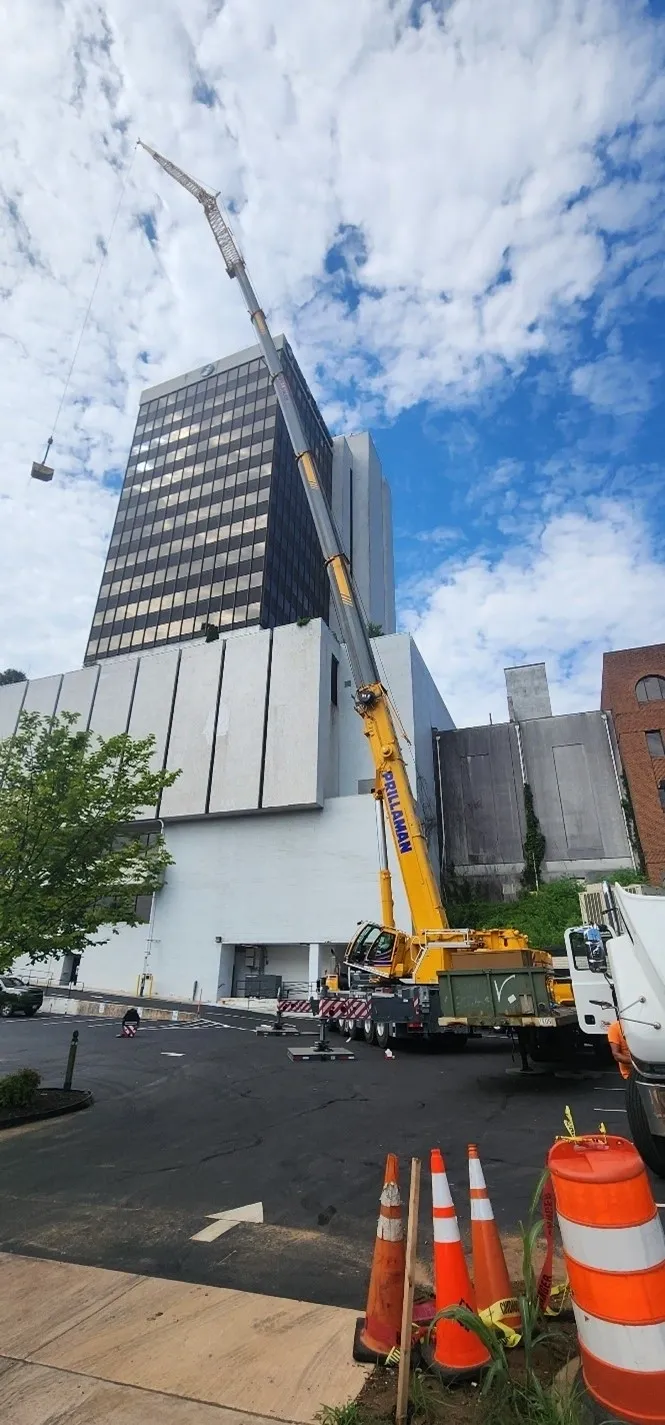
(307, 1056)
(283, 1030)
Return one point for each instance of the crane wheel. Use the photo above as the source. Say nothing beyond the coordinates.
(369, 1030)
(381, 1035)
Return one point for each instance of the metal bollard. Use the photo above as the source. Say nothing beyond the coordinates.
(69, 1072)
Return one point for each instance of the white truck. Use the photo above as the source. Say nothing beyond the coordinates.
(629, 969)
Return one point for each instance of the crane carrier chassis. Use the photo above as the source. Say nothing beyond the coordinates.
(463, 1000)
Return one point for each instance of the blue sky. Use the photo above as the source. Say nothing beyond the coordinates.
(473, 473)
(455, 211)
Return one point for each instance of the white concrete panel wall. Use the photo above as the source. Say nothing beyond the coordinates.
(354, 759)
(296, 755)
(393, 654)
(429, 711)
(11, 702)
(372, 533)
(341, 506)
(42, 695)
(389, 617)
(110, 709)
(117, 964)
(418, 702)
(77, 693)
(236, 777)
(175, 963)
(309, 876)
(152, 704)
(341, 491)
(362, 550)
(377, 590)
(193, 729)
(364, 499)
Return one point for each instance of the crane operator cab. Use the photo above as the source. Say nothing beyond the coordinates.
(379, 950)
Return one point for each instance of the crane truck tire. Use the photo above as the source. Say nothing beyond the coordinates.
(369, 1032)
(351, 1028)
(650, 1148)
(381, 1035)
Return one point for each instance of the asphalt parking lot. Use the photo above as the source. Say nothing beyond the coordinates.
(190, 1121)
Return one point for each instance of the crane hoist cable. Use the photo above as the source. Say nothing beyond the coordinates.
(40, 470)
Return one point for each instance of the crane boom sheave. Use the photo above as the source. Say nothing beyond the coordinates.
(371, 698)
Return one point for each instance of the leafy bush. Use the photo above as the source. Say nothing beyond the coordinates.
(543, 915)
(18, 1091)
(534, 844)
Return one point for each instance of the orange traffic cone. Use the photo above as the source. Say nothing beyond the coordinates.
(378, 1331)
(490, 1273)
(457, 1352)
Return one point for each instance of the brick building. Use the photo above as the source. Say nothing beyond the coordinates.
(634, 693)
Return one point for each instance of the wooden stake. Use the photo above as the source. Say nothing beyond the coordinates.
(409, 1287)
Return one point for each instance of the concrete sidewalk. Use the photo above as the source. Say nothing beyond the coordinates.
(84, 1346)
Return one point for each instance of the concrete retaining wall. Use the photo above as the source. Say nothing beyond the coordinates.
(110, 1009)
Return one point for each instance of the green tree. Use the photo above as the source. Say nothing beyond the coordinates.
(71, 859)
(12, 675)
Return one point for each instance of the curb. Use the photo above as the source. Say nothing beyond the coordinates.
(83, 1099)
(113, 1010)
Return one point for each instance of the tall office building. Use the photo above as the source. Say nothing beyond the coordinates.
(362, 510)
(213, 524)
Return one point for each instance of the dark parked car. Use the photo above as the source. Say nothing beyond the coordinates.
(16, 995)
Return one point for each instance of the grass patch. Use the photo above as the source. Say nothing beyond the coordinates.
(350, 1414)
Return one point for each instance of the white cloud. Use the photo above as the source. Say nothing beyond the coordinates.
(616, 385)
(441, 534)
(463, 151)
(585, 584)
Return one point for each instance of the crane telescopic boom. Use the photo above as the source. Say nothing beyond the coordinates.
(371, 697)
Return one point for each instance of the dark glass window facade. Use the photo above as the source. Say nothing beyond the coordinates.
(212, 524)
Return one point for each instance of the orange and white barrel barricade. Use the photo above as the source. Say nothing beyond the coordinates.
(614, 1246)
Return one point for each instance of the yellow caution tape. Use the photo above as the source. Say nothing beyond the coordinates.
(560, 1300)
(493, 1316)
(568, 1122)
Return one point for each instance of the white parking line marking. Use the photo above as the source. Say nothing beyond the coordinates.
(168, 1054)
(111, 1022)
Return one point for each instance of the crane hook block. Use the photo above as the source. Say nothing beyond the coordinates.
(41, 472)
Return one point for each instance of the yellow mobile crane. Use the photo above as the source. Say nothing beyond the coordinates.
(384, 952)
